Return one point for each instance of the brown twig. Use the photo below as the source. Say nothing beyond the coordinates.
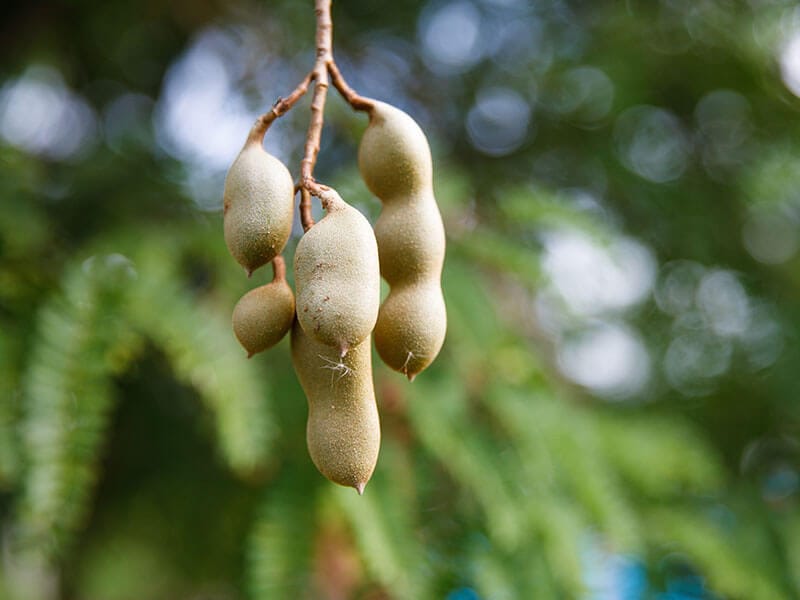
(323, 65)
(305, 209)
(324, 40)
(278, 268)
(281, 107)
(349, 94)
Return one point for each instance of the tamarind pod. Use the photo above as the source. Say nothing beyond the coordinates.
(263, 316)
(395, 163)
(257, 206)
(343, 429)
(411, 327)
(337, 276)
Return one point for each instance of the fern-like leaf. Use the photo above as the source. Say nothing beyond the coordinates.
(205, 355)
(280, 544)
(383, 523)
(68, 399)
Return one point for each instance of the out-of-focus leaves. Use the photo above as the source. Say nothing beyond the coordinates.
(502, 475)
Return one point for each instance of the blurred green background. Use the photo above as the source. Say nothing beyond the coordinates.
(614, 415)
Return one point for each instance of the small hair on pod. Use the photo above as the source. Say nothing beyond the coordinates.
(343, 430)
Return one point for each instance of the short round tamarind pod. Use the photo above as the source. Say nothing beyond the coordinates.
(337, 277)
(343, 430)
(258, 205)
(394, 157)
(263, 316)
(395, 163)
(411, 327)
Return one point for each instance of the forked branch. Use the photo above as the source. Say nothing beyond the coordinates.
(324, 65)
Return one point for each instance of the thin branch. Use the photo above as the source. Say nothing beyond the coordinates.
(323, 66)
(324, 40)
(280, 108)
(313, 136)
(305, 209)
(349, 94)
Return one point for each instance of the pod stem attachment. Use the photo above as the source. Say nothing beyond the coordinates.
(324, 66)
(305, 209)
(278, 268)
(356, 101)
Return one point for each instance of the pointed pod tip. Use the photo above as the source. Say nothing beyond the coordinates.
(250, 354)
(360, 487)
(249, 272)
(343, 351)
(411, 377)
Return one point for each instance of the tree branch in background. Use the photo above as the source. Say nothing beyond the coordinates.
(323, 65)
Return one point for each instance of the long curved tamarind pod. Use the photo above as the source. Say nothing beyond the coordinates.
(395, 162)
(343, 430)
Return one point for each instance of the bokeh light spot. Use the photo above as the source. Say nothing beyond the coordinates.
(676, 291)
(723, 120)
(451, 37)
(771, 237)
(790, 64)
(651, 142)
(609, 358)
(583, 94)
(724, 302)
(499, 121)
(40, 115)
(592, 278)
(201, 116)
(694, 360)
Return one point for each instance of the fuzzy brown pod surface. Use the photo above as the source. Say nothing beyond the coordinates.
(337, 277)
(343, 429)
(257, 206)
(263, 316)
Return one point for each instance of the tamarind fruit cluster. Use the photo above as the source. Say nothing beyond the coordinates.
(338, 264)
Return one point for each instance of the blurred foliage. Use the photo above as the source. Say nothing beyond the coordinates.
(141, 456)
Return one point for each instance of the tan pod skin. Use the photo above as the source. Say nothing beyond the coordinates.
(343, 430)
(411, 327)
(337, 277)
(395, 162)
(263, 316)
(258, 205)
